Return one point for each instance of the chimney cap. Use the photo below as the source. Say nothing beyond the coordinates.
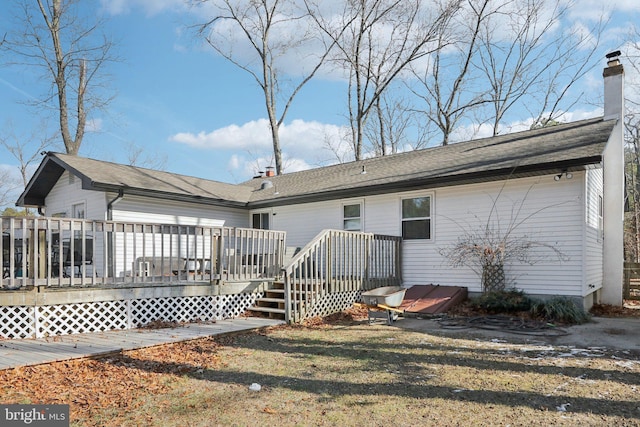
(613, 54)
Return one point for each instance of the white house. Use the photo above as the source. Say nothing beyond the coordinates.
(561, 187)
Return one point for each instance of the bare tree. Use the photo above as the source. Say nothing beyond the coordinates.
(632, 178)
(531, 64)
(394, 126)
(8, 187)
(275, 31)
(632, 154)
(445, 85)
(138, 156)
(54, 36)
(26, 149)
(376, 41)
(496, 56)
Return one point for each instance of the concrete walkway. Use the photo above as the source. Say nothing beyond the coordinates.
(26, 352)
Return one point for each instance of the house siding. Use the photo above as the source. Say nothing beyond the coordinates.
(148, 210)
(548, 212)
(539, 210)
(593, 237)
(68, 192)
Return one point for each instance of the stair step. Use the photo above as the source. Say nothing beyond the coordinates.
(268, 309)
(270, 299)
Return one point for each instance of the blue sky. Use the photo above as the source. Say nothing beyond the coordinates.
(178, 101)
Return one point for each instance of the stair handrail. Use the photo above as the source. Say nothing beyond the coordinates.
(288, 271)
(301, 292)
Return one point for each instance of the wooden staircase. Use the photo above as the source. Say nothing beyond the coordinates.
(272, 303)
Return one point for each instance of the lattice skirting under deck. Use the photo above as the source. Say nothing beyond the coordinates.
(333, 303)
(65, 319)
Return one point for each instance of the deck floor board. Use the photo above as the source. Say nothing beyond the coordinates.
(27, 352)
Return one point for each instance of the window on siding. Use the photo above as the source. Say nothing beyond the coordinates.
(78, 210)
(352, 217)
(260, 220)
(416, 218)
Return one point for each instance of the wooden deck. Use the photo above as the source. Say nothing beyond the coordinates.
(68, 276)
(27, 352)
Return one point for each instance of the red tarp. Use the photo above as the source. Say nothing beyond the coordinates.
(432, 299)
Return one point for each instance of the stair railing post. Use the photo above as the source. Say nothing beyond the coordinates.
(287, 297)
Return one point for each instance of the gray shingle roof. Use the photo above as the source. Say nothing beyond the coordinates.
(568, 146)
(107, 176)
(571, 146)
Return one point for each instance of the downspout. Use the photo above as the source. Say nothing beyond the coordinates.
(119, 197)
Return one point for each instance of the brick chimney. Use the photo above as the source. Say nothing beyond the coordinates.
(270, 171)
(613, 193)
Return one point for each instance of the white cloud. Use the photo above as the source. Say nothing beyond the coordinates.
(150, 7)
(299, 139)
(94, 125)
(304, 145)
(242, 166)
(251, 135)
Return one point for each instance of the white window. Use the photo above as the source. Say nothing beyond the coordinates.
(260, 220)
(416, 218)
(78, 210)
(352, 217)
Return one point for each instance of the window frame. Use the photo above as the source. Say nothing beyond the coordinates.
(429, 218)
(360, 204)
(74, 210)
(262, 214)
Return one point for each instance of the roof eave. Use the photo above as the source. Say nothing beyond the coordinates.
(436, 182)
(168, 196)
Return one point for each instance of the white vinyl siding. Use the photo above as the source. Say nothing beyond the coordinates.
(303, 222)
(552, 215)
(561, 214)
(593, 231)
(138, 209)
(66, 193)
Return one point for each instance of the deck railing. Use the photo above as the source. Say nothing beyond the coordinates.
(339, 261)
(78, 252)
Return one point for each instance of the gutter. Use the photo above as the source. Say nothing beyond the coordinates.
(119, 197)
(434, 182)
(132, 191)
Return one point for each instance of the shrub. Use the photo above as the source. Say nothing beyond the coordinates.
(506, 301)
(560, 309)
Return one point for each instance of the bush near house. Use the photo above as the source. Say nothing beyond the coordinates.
(558, 309)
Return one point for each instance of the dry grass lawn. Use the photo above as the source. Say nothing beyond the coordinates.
(340, 373)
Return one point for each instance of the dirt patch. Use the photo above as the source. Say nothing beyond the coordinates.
(631, 308)
(340, 371)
